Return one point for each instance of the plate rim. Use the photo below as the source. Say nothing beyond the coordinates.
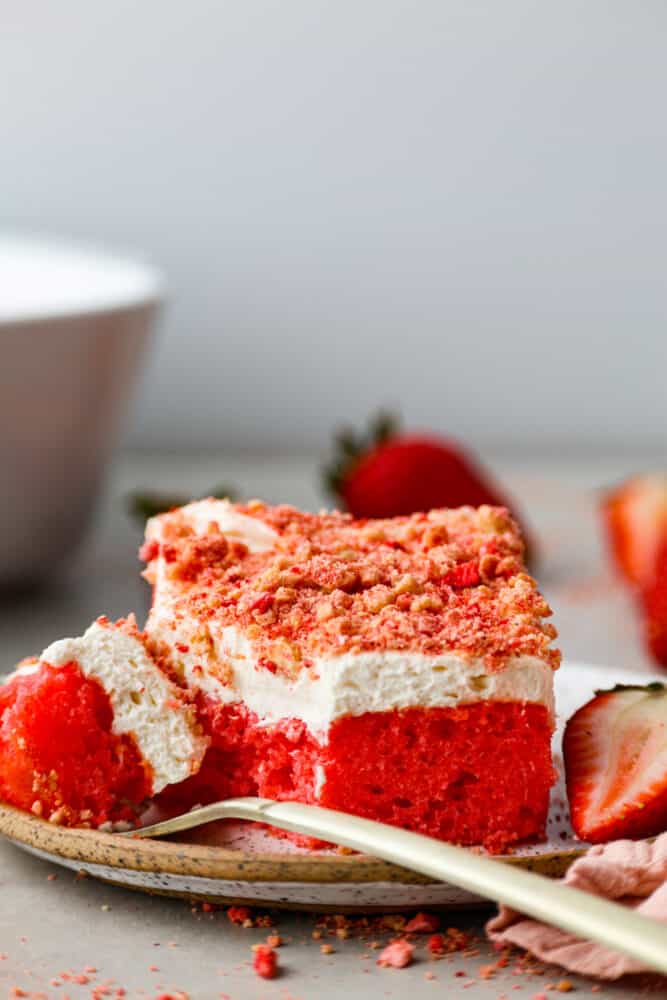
(121, 851)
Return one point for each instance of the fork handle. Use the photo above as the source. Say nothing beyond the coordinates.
(572, 910)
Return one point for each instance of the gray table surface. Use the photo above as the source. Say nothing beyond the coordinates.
(51, 922)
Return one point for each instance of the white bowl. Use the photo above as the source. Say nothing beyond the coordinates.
(74, 323)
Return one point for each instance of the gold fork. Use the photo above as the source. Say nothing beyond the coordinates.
(581, 913)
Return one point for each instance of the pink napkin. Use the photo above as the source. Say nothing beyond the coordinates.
(633, 873)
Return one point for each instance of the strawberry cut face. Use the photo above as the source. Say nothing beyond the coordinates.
(615, 750)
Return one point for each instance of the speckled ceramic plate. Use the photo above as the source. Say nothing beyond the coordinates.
(236, 862)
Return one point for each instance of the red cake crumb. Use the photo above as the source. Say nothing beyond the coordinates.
(265, 962)
(396, 955)
(436, 944)
(239, 914)
(58, 755)
(423, 923)
(452, 941)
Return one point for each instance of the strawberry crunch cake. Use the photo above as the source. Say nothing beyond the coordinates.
(400, 669)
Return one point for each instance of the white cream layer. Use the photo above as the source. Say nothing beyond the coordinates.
(145, 703)
(350, 684)
(257, 535)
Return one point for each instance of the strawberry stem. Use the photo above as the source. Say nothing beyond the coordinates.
(350, 446)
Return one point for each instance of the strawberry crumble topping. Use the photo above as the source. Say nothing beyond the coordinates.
(448, 580)
(423, 923)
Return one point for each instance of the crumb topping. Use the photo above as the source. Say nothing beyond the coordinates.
(445, 581)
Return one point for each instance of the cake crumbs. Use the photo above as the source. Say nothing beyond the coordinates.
(396, 955)
(403, 948)
(238, 914)
(265, 962)
(453, 940)
(423, 923)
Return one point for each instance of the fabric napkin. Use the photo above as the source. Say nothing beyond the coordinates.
(633, 873)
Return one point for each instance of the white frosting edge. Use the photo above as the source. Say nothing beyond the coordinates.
(142, 699)
(253, 532)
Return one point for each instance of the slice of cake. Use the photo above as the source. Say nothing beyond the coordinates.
(399, 669)
(93, 728)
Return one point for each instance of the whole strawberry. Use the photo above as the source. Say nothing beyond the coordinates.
(386, 473)
(615, 750)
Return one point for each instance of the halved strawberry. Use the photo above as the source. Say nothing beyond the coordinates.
(615, 750)
(635, 516)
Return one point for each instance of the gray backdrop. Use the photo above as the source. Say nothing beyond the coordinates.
(453, 205)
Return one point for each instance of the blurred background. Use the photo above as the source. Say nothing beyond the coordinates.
(455, 208)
